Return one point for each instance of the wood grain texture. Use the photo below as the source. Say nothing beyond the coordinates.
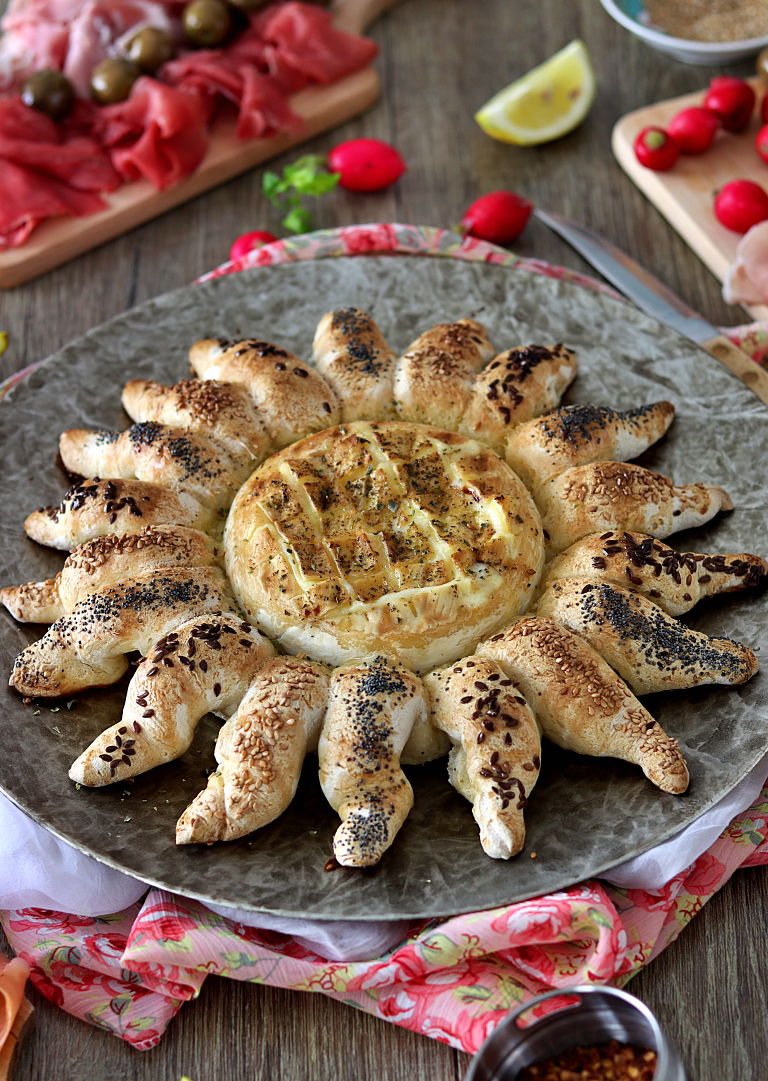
(684, 194)
(441, 59)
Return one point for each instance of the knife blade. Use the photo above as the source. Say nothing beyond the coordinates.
(654, 298)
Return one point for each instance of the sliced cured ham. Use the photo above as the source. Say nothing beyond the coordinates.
(29, 138)
(747, 279)
(27, 197)
(29, 48)
(306, 41)
(262, 105)
(73, 37)
(98, 27)
(158, 133)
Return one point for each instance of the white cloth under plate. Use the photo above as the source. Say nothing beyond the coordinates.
(658, 865)
(37, 870)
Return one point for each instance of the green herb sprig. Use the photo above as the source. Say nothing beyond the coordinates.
(307, 175)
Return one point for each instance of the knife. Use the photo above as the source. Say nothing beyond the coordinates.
(653, 297)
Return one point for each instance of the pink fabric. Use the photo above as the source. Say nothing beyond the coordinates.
(451, 979)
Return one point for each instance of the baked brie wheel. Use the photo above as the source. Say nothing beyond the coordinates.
(390, 537)
(348, 557)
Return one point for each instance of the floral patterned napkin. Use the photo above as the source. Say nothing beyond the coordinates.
(451, 979)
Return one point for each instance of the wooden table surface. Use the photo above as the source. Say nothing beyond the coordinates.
(440, 60)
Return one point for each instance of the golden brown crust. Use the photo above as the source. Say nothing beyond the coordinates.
(517, 385)
(106, 561)
(182, 461)
(649, 649)
(34, 602)
(496, 756)
(372, 708)
(386, 536)
(352, 355)
(581, 703)
(580, 434)
(616, 495)
(95, 508)
(676, 581)
(435, 377)
(86, 648)
(291, 397)
(260, 753)
(204, 665)
(221, 412)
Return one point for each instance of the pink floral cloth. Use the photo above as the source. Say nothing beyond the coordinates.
(451, 979)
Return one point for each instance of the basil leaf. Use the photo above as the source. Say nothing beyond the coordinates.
(298, 221)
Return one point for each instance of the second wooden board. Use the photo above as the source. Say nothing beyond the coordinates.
(685, 193)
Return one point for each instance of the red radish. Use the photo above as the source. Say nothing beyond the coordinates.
(656, 149)
(499, 217)
(761, 143)
(740, 205)
(732, 100)
(693, 130)
(764, 110)
(248, 241)
(366, 164)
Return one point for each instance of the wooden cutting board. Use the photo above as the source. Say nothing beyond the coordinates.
(685, 193)
(321, 107)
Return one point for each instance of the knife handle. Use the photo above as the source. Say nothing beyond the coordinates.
(756, 378)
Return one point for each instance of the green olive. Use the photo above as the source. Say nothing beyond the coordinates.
(111, 80)
(206, 22)
(150, 49)
(49, 92)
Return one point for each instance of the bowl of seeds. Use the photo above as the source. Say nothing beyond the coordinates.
(696, 31)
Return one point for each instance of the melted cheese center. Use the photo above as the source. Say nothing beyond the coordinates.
(387, 536)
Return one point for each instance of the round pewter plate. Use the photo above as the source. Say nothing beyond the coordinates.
(585, 814)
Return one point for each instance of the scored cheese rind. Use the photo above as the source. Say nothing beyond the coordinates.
(388, 537)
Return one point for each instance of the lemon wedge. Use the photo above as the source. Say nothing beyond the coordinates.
(548, 102)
